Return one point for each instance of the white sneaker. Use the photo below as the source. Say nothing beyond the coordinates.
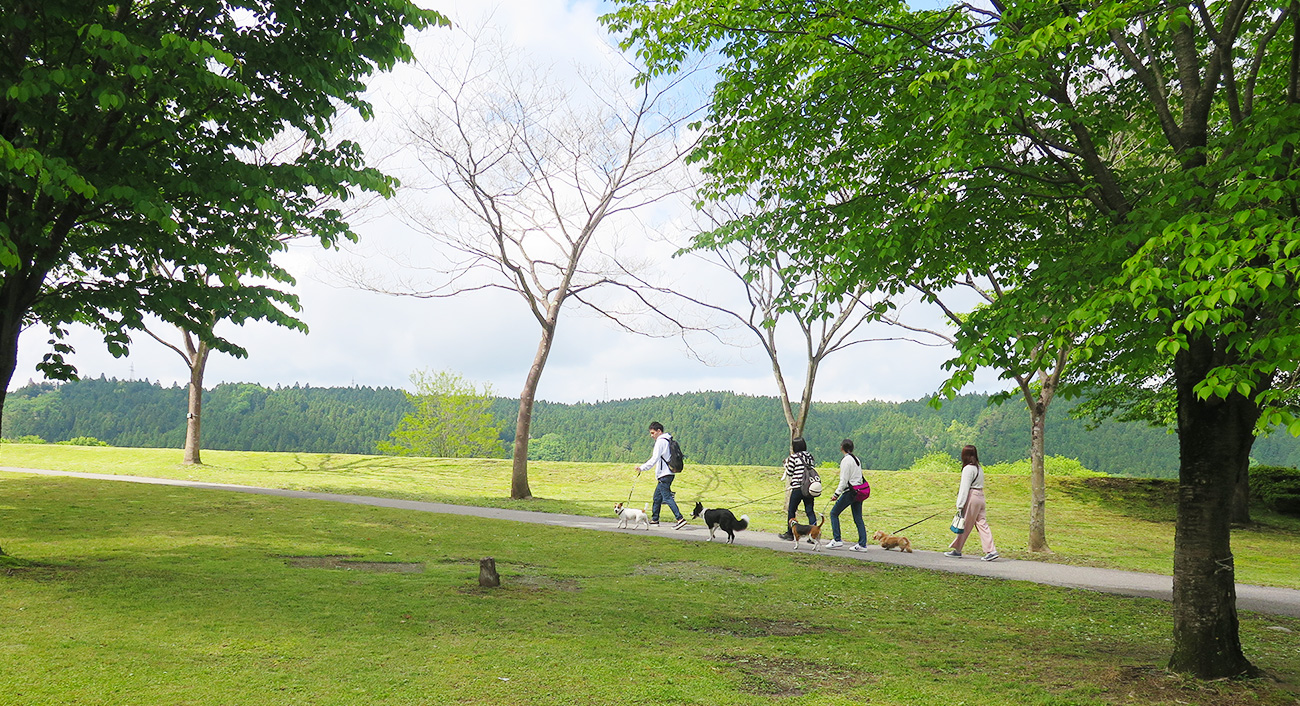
(857, 548)
(834, 544)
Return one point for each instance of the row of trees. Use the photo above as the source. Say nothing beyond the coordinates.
(715, 427)
(240, 416)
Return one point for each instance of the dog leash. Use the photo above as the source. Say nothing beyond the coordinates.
(923, 519)
(629, 493)
(750, 502)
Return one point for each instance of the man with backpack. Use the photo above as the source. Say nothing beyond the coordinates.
(663, 459)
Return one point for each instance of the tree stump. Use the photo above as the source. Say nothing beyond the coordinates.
(487, 573)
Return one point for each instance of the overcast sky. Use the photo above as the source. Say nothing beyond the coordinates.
(362, 338)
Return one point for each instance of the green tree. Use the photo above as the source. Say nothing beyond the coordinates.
(452, 419)
(126, 131)
(550, 447)
(1132, 163)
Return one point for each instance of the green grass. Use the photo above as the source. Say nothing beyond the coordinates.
(1122, 523)
(142, 595)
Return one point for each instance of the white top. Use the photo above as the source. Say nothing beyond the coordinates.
(850, 474)
(659, 457)
(972, 478)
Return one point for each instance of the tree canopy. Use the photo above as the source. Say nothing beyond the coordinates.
(127, 135)
(1128, 167)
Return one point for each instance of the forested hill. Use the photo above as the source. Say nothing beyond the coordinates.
(713, 427)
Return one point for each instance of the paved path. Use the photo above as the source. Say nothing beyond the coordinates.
(1263, 599)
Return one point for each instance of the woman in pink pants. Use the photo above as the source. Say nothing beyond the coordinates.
(970, 500)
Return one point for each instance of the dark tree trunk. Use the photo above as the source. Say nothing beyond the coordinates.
(1241, 494)
(11, 325)
(1214, 439)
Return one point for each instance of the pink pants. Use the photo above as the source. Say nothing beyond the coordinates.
(976, 519)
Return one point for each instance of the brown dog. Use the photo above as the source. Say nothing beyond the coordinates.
(812, 533)
(889, 541)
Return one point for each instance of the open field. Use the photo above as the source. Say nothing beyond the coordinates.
(129, 594)
(1110, 522)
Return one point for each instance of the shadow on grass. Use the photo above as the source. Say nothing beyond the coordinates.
(1147, 499)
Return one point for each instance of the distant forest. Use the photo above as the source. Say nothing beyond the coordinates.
(713, 427)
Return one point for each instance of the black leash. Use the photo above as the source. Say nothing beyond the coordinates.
(923, 519)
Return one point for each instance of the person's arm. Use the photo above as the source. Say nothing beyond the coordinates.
(846, 476)
(660, 451)
(967, 477)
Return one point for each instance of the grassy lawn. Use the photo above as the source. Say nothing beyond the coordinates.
(1120, 523)
(133, 594)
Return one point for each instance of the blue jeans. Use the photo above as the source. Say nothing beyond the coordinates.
(846, 500)
(664, 494)
(797, 497)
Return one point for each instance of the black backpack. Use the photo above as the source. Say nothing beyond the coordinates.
(676, 459)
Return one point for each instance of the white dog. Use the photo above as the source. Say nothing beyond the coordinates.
(632, 515)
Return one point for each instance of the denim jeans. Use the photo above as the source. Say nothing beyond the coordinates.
(846, 500)
(664, 494)
(796, 497)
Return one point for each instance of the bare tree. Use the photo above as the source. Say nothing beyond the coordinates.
(827, 323)
(534, 173)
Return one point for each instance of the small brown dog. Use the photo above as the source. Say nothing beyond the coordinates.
(812, 533)
(889, 541)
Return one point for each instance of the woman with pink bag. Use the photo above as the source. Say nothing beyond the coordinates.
(970, 503)
(851, 491)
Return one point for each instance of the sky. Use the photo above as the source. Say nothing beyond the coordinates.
(368, 339)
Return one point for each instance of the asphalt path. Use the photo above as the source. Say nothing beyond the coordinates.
(1262, 599)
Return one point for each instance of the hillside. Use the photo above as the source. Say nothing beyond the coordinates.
(713, 427)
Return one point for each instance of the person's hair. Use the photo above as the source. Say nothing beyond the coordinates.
(969, 456)
(847, 447)
(798, 444)
(656, 426)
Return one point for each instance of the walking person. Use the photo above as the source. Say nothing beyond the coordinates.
(664, 490)
(798, 465)
(846, 497)
(970, 502)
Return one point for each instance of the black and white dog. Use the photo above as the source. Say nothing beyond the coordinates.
(721, 518)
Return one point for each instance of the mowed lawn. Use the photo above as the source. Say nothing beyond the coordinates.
(1121, 523)
(121, 593)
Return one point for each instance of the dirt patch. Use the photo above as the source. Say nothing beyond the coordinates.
(694, 571)
(758, 627)
(790, 677)
(348, 563)
(1150, 685)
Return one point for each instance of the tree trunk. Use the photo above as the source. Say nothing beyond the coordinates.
(8, 357)
(1038, 478)
(194, 414)
(14, 305)
(1214, 439)
(519, 489)
(1241, 494)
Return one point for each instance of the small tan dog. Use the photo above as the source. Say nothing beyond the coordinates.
(889, 541)
(812, 533)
